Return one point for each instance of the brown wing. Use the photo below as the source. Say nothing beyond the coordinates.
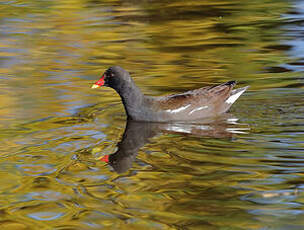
(200, 97)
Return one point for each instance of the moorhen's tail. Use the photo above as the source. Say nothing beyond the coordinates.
(222, 90)
(233, 83)
(235, 94)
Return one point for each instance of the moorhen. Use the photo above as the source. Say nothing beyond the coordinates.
(192, 105)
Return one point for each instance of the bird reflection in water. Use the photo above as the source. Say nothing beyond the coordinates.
(137, 134)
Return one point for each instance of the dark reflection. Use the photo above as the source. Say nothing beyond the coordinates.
(137, 134)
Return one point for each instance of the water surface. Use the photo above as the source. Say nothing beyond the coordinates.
(69, 158)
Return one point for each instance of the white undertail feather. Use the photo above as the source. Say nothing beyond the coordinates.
(235, 94)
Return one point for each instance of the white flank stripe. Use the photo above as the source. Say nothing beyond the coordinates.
(199, 108)
(177, 110)
(234, 97)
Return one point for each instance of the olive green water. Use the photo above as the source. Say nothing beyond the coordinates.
(243, 170)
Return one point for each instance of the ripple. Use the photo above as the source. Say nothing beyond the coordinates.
(45, 216)
(36, 169)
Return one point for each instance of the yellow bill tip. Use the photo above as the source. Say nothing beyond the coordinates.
(95, 86)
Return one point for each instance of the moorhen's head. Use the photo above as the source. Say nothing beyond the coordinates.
(113, 77)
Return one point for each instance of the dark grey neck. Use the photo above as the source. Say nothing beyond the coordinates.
(131, 97)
